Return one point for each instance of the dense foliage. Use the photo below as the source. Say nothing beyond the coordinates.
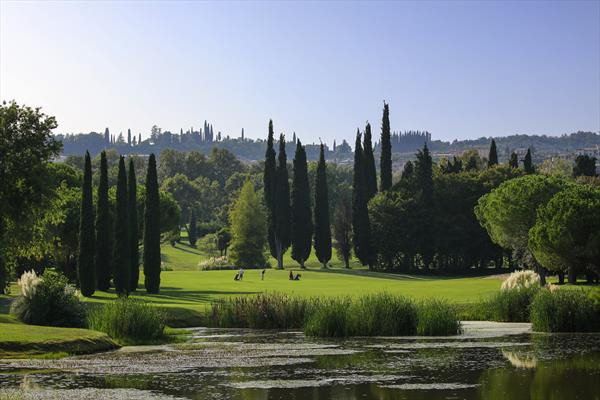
(152, 217)
(301, 217)
(322, 240)
(85, 263)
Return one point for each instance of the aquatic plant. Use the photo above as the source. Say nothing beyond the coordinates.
(437, 317)
(128, 321)
(564, 311)
(383, 314)
(331, 318)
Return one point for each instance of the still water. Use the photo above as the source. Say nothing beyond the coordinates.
(488, 361)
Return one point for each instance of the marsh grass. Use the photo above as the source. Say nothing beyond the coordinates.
(511, 305)
(437, 317)
(383, 314)
(564, 311)
(128, 321)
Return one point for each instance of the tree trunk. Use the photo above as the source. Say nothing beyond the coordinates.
(561, 277)
(572, 275)
(302, 265)
(279, 255)
(347, 262)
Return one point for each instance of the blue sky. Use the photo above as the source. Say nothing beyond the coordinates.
(456, 69)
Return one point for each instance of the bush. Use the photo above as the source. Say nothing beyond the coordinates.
(330, 318)
(263, 311)
(511, 305)
(383, 314)
(48, 300)
(128, 321)
(564, 311)
(436, 318)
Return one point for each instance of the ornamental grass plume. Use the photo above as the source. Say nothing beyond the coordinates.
(28, 283)
(524, 279)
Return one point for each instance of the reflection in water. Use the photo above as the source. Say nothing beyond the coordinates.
(264, 365)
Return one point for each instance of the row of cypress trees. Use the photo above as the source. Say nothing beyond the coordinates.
(113, 251)
(290, 220)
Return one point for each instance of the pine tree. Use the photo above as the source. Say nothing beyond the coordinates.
(282, 205)
(514, 160)
(122, 245)
(360, 217)
(369, 165)
(302, 227)
(386, 150)
(129, 136)
(528, 163)
(152, 230)
(493, 155)
(321, 212)
(269, 178)
(424, 175)
(134, 236)
(85, 264)
(103, 230)
(192, 232)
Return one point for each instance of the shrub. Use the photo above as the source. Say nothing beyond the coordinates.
(263, 311)
(524, 279)
(436, 318)
(330, 318)
(383, 314)
(128, 321)
(214, 264)
(48, 300)
(564, 311)
(511, 305)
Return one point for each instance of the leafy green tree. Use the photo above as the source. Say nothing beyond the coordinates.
(152, 218)
(514, 160)
(386, 150)
(361, 230)
(301, 218)
(223, 240)
(342, 230)
(26, 146)
(85, 265)
(122, 244)
(509, 212)
(528, 163)
(104, 236)
(248, 230)
(322, 225)
(369, 165)
(282, 205)
(192, 234)
(566, 234)
(584, 166)
(493, 155)
(269, 181)
(134, 237)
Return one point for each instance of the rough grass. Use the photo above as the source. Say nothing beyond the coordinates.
(564, 311)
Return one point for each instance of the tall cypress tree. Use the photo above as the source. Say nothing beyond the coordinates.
(322, 225)
(269, 178)
(302, 227)
(152, 230)
(85, 264)
(122, 260)
(386, 150)
(514, 160)
(369, 165)
(134, 236)
(528, 163)
(493, 155)
(425, 230)
(360, 217)
(192, 232)
(282, 205)
(103, 230)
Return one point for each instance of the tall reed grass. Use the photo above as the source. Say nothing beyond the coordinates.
(511, 305)
(128, 321)
(437, 317)
(564, 311)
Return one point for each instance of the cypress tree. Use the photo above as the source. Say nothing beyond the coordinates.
(122, 245)
(528, 163)
(369, 164)
(152, 230)
(103, 231)
(360, 217)
(302, 227)
(85, 262)
(134, 236)
(386, 150)
(425, 230)
(269, 176)
(493, 155)
(282, 205)
(192, 232)
(322, 225)
(514, 160)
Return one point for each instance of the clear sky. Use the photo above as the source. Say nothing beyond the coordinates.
(457, 69)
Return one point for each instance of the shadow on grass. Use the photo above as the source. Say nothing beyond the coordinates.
(386, 275)
(176, 296)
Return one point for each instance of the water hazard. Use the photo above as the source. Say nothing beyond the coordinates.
(488, 361)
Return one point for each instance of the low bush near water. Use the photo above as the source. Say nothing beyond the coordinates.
(128, 321)
(511, 305)
(564, 311)
(48, 300)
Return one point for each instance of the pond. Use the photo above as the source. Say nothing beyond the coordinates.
(488, 361)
